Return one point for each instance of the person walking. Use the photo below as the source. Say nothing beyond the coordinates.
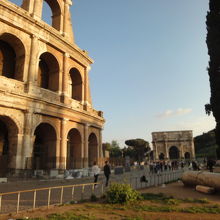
(107, 172)
(96, 171)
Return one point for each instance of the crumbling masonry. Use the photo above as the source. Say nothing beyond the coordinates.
(46, 116)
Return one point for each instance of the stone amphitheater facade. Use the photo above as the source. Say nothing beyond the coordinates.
(173, 145)
(46, 116)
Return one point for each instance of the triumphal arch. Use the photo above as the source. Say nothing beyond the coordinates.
(173, 145)
(46, 116)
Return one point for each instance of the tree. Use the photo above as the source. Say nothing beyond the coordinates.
(113, 148)
(141, 147)
(129, 151)
(213, 44)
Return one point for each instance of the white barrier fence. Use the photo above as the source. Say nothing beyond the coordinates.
(35, 198)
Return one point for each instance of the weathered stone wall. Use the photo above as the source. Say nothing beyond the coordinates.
(166, 141)
(24, 104)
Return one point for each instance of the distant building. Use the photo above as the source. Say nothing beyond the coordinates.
(173, 145)
(46, 116)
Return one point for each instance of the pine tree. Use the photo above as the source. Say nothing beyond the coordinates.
(213, 44)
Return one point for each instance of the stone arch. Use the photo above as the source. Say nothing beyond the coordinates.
(187, 155)
(48, 72)
(93, 148)
(56, 12)
(161, 156)
(8, 143)
(44, 150)
(12, 56)
(174, 153)
(74, 149)
(76, 84)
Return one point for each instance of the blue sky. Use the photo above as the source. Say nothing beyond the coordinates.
(150, 64)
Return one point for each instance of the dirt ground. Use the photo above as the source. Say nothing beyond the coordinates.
(177, 190)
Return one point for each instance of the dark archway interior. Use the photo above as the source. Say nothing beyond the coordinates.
(44, 152)
(187, 155)
(174, 153)
(12, 57)
(8, 143)
(7, 60)
(76, 84)
(93, 148)
(161, 156)
(48, 72)
(73, 149)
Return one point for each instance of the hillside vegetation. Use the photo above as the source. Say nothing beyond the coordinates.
(205, 145)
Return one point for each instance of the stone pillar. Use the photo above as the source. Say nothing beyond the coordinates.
(58, 146)
(18, 157)
(166, 150)
(33, 63)
(82, 153)
(100, 143)
(65, 78)
(63, 145)
(86, 146)
(86, 81)
(37, 10)
(15, 145)
(67, 24)
(28, 141)
(156, 151)
(28, 5)
(192, 150)
(181, 151)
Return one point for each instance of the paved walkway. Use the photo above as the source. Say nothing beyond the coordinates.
(46, 197)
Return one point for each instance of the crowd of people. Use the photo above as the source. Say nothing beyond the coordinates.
(157, 167)
(160, 166)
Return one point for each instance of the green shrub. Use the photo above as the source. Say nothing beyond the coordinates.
(93, 198)
(121, 193)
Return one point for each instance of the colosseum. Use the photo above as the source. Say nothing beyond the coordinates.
(47, 121)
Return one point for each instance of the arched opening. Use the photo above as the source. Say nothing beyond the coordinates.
(44, 151)
(93, 149)
(52, 13)
(74, 142)
(174, 153)
(76, 84)
(48, 72)
(8, 143)
(161, 156)
(17, 2)
(47, 13)
(12, 55)
(187, 155)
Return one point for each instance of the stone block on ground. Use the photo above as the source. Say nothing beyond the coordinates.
(119, 170)
(3, 180)
(205, 189)
(54, 173)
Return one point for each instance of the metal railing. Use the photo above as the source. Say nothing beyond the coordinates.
(35, 198)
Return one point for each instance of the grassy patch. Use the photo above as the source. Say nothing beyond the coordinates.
(132, 218)
(155, 196)
(190, 200)
(205, 209)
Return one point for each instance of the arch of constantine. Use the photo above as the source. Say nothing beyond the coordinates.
(173, 145)
(46, 116)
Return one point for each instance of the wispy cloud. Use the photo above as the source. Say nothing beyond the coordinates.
(171, 113)
(198, 125)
